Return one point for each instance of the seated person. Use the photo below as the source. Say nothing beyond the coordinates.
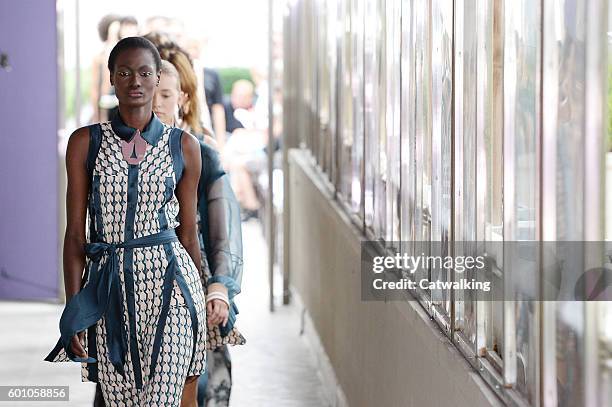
(243, 153)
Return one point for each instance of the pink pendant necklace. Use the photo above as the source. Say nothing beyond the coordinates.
(134, 150)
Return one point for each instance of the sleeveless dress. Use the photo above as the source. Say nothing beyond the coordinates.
(142, 304)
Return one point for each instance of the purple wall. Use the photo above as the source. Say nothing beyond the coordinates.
(28, 151)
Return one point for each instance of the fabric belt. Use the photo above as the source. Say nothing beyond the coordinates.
(102, 297)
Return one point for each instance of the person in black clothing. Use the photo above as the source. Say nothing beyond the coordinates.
(231, 123)
(212, 88)
(214, 100)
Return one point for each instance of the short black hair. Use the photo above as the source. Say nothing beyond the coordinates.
(132, 43)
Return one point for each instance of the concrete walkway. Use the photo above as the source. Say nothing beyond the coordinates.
(275, 367)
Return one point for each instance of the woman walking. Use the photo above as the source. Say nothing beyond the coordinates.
(220, 232)
(137, 318)
(177, 104)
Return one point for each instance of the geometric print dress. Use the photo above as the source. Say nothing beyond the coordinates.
(142, 303)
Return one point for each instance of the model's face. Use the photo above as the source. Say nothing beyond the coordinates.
(135, 77)
(167, 99)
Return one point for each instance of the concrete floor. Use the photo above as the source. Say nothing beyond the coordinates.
(274, 368)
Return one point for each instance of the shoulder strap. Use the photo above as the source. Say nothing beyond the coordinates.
(177, 152)
(95, 140)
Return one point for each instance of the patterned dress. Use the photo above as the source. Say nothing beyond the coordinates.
(149, 335)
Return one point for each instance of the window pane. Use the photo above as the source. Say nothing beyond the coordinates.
(423, 111)
(605, 308)
(408, 138)
(374, 109)
(570, 50)
(380, 186)
(465, 60)
(605, 337)
(371, 108)
(322, 89)
(346, 111)
(357, 24)
(521, 184)
(489, 160)
(442, 69)
(573, 85)
(392, 122)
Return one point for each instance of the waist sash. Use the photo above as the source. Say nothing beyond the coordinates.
(102, 296)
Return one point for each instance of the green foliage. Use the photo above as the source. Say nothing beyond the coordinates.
(70, 88)
(230, 75)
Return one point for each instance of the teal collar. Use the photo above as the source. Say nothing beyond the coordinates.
(151, 133)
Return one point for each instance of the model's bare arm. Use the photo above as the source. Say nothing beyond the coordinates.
(76, 212)
(187, 194)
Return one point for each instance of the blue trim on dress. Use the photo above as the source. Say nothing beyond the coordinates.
(95, 220)
(92, 368)
(163, 314)
(173, 273)
(178, 164)
(97, 209)
(95, 141)
(92, 340)
(176, 152)
(168, 192)
(128, 262)
(96, 233)
(102, 297)
(182, 283)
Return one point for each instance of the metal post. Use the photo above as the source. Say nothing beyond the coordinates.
(509, 211)
(595, 98)
(549, 95)
(270, 209)
(290, 129)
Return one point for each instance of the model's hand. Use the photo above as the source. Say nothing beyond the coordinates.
(217, 312)
(77, 343)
